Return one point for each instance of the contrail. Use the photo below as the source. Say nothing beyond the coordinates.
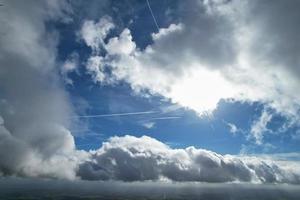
(162, 118)
(154, 19)
(115, 114)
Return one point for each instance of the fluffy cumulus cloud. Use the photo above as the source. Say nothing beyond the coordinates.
(94, 33)
(130, 158)
(34, 109)
(215, 52)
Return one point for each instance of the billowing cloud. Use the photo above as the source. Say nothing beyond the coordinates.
(94, 33)
(130, 158)
(34, 109)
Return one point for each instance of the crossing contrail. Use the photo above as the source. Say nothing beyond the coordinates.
(154, 19)
(115, 114)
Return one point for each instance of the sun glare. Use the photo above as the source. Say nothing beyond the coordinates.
(201, 90)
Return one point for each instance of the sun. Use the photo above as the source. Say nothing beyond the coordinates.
(201, 90)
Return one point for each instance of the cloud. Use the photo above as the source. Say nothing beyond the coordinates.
(96, 68)
(34, 108)
(130, 158)
(260, 126)
(94, 33)
(166, 31)
(266, 45)
(232, 128)
(148, 125)
(69, 66)
(121, 45)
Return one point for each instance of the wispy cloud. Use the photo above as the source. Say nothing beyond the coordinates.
(150, 123)
(259, 127)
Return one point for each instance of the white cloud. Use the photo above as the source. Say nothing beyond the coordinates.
(70, 65)
(94, 33)
(164, 32)
(232, 128)
(122, 45)
(148, 125)
(130, 158)
(260, 126)
(95, 67)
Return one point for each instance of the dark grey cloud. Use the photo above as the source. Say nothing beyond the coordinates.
(277, 32)
(207, 38)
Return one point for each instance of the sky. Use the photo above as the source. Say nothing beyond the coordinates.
(196, 90)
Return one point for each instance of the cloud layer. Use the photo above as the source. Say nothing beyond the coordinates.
(130, 158)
